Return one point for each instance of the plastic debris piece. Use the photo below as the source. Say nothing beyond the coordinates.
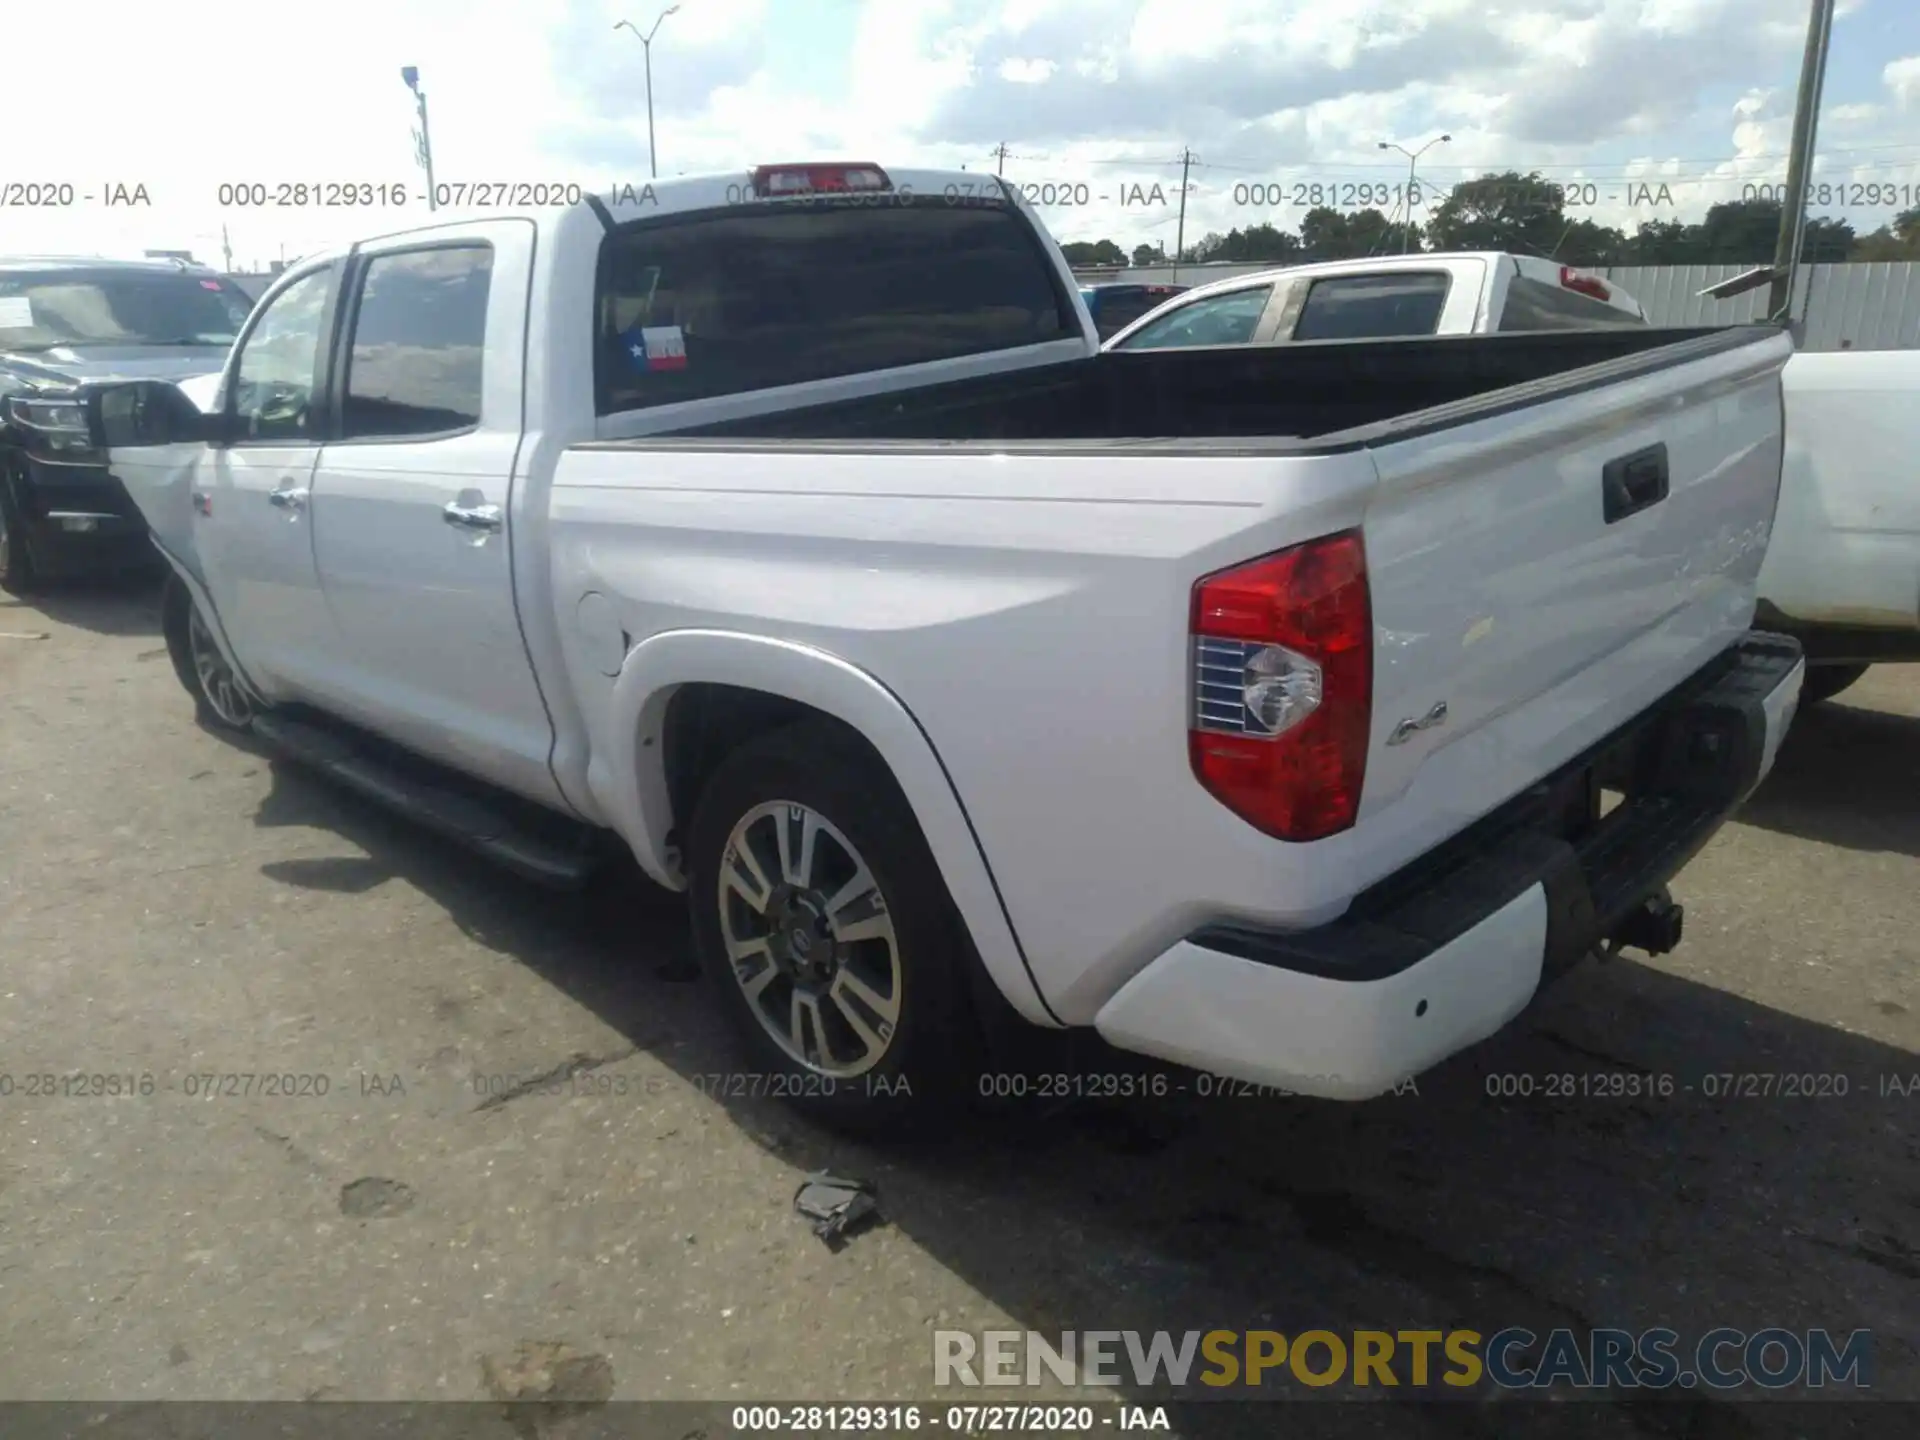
(839, 1207)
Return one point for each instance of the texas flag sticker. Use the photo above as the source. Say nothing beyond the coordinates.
(657, 347)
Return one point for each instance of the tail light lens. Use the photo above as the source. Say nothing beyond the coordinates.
(1283, 687)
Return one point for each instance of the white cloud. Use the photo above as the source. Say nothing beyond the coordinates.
(1903, 78)
(1027, 72)
(1105, 93)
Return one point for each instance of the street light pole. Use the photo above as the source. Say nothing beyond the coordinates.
(1413, 159)
(1806, 118)
(422, 142)
(646, 45)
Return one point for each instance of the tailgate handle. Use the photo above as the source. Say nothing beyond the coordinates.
(1634, 482)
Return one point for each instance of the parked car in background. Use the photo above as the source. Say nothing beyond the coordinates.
(1251, 707)
(1117, 304)
(1478, 293)
(1842, 572)
(64, 320)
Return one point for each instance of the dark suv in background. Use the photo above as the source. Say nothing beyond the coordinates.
(1115, 305)
(63, 321)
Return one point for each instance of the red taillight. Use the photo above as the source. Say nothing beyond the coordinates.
(776, 180)
(1572, 279)
(1283, 687)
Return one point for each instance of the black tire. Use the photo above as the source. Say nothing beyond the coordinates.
(1823, 682)
(177, 625)
(16, 564)
(930, 1063)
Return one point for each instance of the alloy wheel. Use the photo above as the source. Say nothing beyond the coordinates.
(218, 684)
(809, 939)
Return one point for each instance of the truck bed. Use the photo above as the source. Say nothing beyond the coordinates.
(1558, 530)
(1296, 396)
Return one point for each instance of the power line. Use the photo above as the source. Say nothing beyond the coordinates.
(1242, 165)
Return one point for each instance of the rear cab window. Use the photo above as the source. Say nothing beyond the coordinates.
(780, 292)
(1374, 307)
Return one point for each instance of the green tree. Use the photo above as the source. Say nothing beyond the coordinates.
(1897, 241)
(1149, 255)
(1093, 252)
(1328, 234)
(1525, 214)
(1203, 248)
(1585, 243)
(1664, 242)
(1255, 243)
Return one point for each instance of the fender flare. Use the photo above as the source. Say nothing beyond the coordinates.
(204, 601)
(627, 772)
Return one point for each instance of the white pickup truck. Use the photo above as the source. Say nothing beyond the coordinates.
(1842, 573)
(1254, 707)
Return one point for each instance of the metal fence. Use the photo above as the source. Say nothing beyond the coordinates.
(1843, 307)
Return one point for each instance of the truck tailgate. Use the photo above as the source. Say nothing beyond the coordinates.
(1542, 573)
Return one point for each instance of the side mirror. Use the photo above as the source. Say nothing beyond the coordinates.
(128, 414)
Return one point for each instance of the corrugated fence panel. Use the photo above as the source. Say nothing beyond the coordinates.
(1857, 306)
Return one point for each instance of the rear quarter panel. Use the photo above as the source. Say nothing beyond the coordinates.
(1029, 609)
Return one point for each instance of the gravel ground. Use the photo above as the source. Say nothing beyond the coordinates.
(177, 906)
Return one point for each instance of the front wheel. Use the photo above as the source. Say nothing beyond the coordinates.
(219, 698)
(824, 924)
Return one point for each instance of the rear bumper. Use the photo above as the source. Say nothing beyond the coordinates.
(1445, 952)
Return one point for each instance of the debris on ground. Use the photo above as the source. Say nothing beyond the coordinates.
(375, 1197)
(546, 1382)
(840, 1208)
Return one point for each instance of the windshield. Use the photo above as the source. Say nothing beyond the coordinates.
(41, 311)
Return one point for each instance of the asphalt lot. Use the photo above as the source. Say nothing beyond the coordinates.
(174, 905)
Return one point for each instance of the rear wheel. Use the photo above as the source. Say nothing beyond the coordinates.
(1823, 682)
(219, 697)
(825, 926)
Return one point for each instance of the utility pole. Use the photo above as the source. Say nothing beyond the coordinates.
(1806, 115)
(1180, 228)
(226, 249)
(1000, 155)
(646, 45)
(1413, 159)
(422, 144)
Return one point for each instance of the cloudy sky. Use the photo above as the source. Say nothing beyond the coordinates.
(1093, 98)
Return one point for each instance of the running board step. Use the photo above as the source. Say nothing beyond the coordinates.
(460, 818)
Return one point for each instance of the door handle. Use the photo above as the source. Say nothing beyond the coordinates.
(288, 498)
(472, 517)
(1634, 482)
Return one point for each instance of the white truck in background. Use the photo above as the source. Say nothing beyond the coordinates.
(1253, 707)
(1842, 572)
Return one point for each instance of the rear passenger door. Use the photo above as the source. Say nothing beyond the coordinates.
(411, 501)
